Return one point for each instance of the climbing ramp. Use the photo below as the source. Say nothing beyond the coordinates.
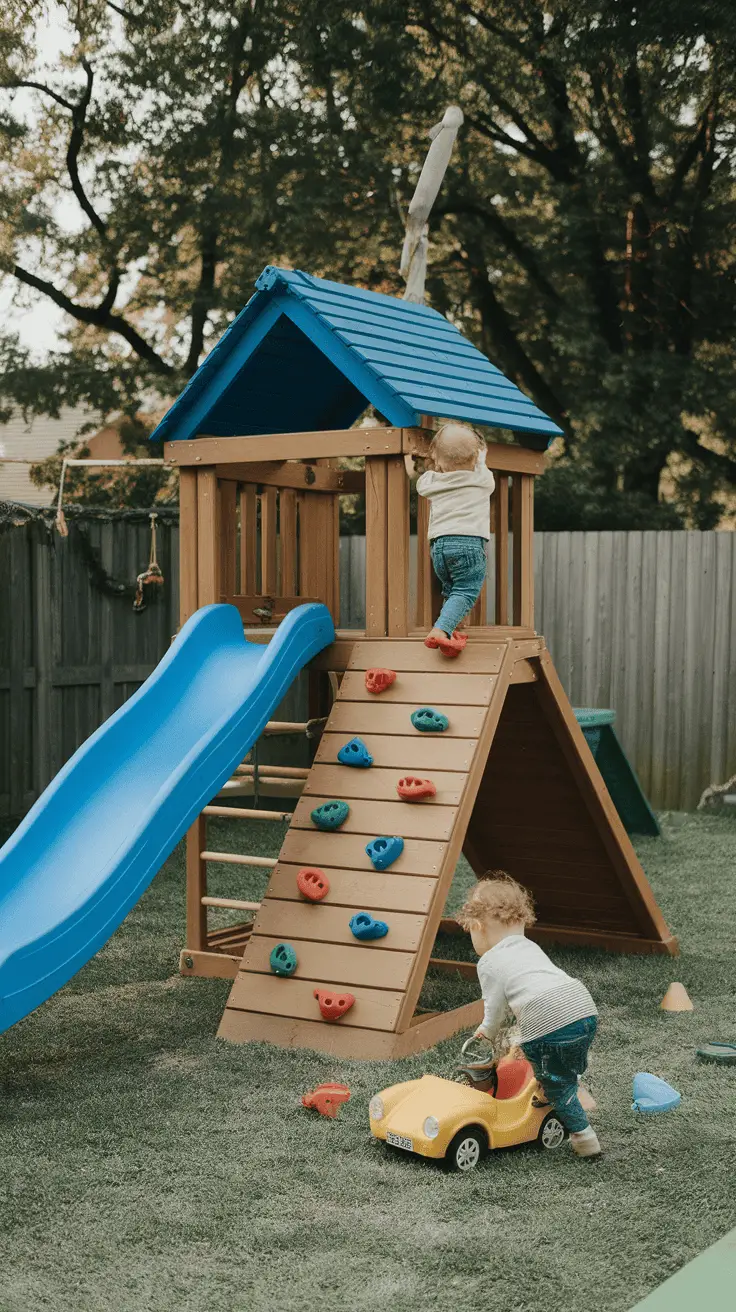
(517, 787)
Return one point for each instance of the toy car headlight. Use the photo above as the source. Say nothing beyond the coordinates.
(431, 1127)
(376, 1109)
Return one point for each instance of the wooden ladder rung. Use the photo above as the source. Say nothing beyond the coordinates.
(234, 859)
(246, 813)
(231, 902)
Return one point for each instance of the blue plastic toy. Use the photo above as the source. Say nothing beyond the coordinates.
(283, 959)
(428, 721)
(364, 926)
(653, 1095)
(330, 815)
(384, 851)
(355, 753)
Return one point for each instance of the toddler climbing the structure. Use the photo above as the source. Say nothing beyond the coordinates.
(458, 487)
(555, 1013)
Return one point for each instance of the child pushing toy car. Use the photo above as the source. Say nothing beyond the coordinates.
(458, 487)
(556, 1015)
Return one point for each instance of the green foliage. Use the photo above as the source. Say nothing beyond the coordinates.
(583, 236)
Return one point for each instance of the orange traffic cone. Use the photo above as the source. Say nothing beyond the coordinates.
(676, 999)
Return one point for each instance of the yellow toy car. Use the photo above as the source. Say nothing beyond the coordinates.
(459, 1122)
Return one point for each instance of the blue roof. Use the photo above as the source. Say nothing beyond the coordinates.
(308, 354)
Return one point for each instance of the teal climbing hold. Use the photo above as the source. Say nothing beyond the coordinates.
(365, 927)
(384, 851)
(355, 753)
(283, 959)
(428, 721)
(330, 815)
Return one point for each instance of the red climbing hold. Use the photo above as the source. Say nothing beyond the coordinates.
(333, 1005)
(412, 789)
(313, 883)
(327, 1099)
(379, 680)
(448, 646)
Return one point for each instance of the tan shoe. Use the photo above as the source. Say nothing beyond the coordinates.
(585, 1143)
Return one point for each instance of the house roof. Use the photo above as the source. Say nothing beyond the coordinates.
(308, 354)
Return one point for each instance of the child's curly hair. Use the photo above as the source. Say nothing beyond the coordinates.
(454, 445)
(497, 897)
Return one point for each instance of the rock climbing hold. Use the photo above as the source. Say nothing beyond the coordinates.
(313, 883)
(283, 959)
(333, 1005)
(412, 789)
(653, 1095)
(327, 1099)
(428, 721)
(379, 680)
(355, 753)
(384, 851)
(448, 646)
(330, 815)
(364, 926)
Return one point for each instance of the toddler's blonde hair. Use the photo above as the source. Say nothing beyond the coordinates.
(454, 445)
(497, 897)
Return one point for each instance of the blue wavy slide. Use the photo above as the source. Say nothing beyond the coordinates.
(93, 841)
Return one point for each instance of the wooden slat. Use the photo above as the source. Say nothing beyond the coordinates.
(500, 455)
(374, 1009)
(336, 964)
(269, 577)
(315, 547)
(344, 781)
(523, 520)
(188, 569)
(411, 656)
(421, 754)
(248, 539)
(287, 536)
(500, 505)
(359, 718)
(398, 547)
(372, 818)
(478, 613)
(196, 886)
(228, 493)
(322, 922)
(209, 965)
(285, 446)
(347, 851)
(208, 543)
(424, 615)
(349, 888)
(345, 1041)
(295, 476)
(422, 689)
(376, 546)
(252, 608)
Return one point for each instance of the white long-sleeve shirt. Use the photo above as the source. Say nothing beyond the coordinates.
(517, 973)
(459, 501)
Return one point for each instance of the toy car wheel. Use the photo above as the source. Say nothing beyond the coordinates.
(552, 1133)
(467, 1149)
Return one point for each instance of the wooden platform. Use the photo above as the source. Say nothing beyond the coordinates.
(517, 788)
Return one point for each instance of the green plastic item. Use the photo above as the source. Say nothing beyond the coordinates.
(620, 780)
(722, 1054)
(283, 959)
(330, 815)
(426, 720)
(708, 1282)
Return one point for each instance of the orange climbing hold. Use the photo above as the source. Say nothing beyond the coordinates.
(379, 680)
(448, 646)
(412, 789)
(333, 1005)
(313, 883)
(327, 1099)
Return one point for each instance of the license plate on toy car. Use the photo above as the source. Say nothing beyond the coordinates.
(400, 1141)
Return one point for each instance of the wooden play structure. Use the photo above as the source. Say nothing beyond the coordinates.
(257, 436)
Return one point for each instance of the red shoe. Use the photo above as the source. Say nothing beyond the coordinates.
(449, 646)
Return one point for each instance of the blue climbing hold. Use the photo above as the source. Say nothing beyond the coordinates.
(355, 753)
(330, 815)
(365, 927)
(428, 721)
(653, 1095)
(384, 851)
(283, 959)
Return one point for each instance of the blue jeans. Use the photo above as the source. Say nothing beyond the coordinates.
(558, 1059)
(460, 565)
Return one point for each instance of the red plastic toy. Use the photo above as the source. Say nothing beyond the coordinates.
(327, 1099)
(333, 1005)
(379, 680)
(448, 646)
(313, 883)
(412, 789)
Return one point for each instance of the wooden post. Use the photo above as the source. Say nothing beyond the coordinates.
(376, 546)
(287, 534)
(398, 547)
(523, 523)
(424, 615)
(248, 540)
(269, 583)
(501, 531)
(187, 544)
(208, 545)
(196, 886)
(228, 491)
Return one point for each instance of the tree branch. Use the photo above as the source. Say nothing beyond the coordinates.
(79, 117)
(492, 220)
(723, 465)
(16, 84)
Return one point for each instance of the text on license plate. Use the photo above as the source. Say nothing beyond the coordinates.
(399, 1141)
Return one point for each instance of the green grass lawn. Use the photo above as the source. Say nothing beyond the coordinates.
(145, 1165)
